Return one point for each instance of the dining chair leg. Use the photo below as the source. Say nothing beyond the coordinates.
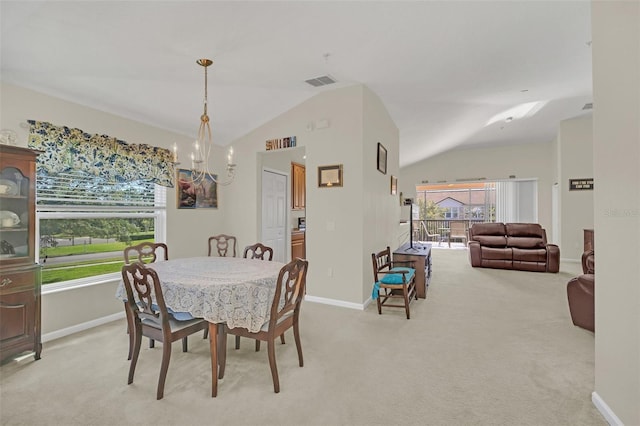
(213, 345)
(184, 344)
(164, 367)
(271, 349)
(237, 342)
(379, 303)
(206, 333)
(258, 342)
(130, 328)
(296, 336)
(405, 294)
(222, 350)
(137, 333)
(152, 343)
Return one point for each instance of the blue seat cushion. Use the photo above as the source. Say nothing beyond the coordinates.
(178, 316)
(397, 278)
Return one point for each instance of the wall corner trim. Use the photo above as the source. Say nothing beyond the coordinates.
(604, 409)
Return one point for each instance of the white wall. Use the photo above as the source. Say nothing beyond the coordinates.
(616, 154)
(380, 211)
(529, 161)
(332, 128)
(575, 160)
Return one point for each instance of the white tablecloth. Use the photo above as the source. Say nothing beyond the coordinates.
(234, 290)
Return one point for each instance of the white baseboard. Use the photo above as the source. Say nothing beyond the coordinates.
(81, 327)
(341, 303)
(113, 317)
(604, 409)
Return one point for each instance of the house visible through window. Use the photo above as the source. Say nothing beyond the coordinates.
(497, 201)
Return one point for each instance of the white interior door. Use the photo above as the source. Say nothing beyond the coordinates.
(274, 213)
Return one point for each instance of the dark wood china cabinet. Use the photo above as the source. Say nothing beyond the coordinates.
(19, 274)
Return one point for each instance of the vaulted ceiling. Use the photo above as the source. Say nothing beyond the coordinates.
(444, 69)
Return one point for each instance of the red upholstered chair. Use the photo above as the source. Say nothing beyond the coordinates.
(581, 294)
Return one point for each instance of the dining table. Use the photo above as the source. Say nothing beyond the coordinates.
(222, 290)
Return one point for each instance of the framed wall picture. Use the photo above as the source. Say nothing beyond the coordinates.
(185, 190)
(207, 193)
(382, 159)
(394, 185)
(330, 176)
(196, 195)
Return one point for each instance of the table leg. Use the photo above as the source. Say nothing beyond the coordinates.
(213, 343)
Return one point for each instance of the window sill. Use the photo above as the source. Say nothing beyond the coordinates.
(83, 282)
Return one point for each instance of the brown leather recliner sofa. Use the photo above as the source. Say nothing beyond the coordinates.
(581, 294)
(521, 246)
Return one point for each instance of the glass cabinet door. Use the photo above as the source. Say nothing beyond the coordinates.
(14, 214)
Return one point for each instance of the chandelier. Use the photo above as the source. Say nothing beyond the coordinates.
(201, 155)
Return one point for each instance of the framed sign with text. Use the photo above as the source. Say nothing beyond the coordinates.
(581, 184)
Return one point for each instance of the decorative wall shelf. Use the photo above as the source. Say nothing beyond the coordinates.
(288, 142)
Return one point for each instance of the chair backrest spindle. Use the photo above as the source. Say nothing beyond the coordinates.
(146, 252)
(225, 245)
(258, 251)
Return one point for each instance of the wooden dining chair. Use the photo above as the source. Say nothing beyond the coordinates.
(285, 314)
(392, 281)
(258, 251)
(151, 318)
(225, 245)
(145, 252)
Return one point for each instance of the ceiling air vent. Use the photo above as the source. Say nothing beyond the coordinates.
(588, 106)
(321, 81)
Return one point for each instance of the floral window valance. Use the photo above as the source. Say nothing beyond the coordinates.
(66, 149)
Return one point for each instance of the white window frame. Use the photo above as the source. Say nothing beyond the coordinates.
(158, 212)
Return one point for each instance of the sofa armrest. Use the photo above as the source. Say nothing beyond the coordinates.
(474, 254)
(553, 258)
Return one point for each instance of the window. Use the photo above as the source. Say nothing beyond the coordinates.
(84, 223)
(95, 195)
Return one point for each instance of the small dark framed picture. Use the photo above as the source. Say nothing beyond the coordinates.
(330, 176)
(394, 185)
(382, 159)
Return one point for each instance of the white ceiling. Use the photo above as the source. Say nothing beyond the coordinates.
(442, 68)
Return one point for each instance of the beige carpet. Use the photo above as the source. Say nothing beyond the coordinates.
(487, 347)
